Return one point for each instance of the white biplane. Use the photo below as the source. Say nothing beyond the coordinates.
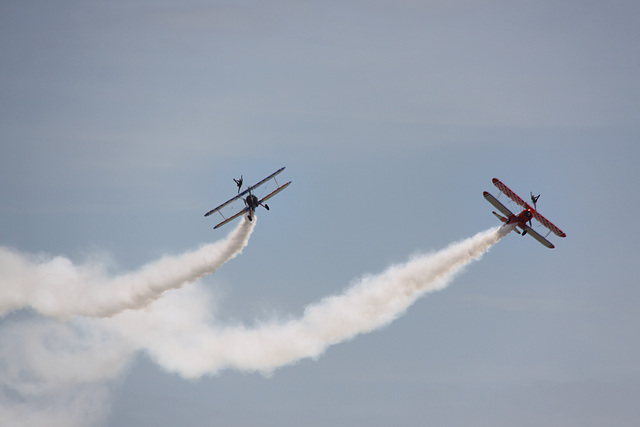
(233, 208)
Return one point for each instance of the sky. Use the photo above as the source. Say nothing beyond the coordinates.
(123, 122)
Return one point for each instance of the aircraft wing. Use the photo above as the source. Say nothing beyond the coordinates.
(531, 232)
(544, 221)
(225, 204)
(231, 218)
(274, 192)
(510, 194)
(502, 208)
(273, 175)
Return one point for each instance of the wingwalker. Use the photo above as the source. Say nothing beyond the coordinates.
(251, 201)
(523, 217)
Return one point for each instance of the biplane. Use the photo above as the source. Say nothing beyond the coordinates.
(253, 196)
(526, 216)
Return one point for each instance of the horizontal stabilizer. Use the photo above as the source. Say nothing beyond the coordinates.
(500, 217)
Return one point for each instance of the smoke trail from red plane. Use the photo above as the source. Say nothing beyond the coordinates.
(192, 345)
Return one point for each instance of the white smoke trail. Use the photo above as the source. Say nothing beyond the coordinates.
(61, 373)
(190, 344)
(58, 374)
(57, 288)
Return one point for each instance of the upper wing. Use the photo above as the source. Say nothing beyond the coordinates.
(273, 175)
(544, 221)
(502, 208)
(538, 237)
(225, 204)
(510, 194)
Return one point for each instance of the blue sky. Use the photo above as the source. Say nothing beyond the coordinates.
(123, 122)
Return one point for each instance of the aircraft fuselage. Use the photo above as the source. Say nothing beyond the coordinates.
(521, 219)
(252, 202)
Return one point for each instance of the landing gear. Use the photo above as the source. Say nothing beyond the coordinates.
(266, 207)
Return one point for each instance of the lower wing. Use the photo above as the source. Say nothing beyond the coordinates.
(502, 208)
(231, 218)
(538, 237)
(274, 192)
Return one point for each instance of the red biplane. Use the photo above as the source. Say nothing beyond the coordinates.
(523, 217)
(264, 190)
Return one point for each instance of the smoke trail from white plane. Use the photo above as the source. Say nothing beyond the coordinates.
(189, 343)
(57, 288)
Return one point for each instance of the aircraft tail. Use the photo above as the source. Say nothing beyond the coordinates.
(504, 220)
(500, 217)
